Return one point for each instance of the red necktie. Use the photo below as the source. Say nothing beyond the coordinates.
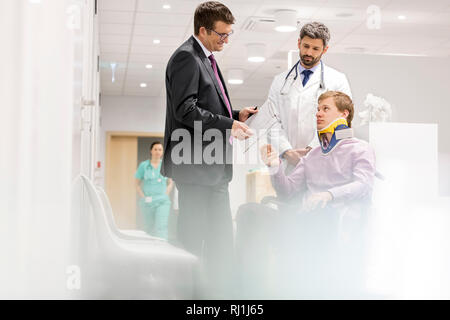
(214, 66)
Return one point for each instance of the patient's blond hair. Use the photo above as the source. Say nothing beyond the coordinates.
(342, 101)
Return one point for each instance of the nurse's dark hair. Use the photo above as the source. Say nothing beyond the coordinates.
(342, 101)
(154, 144)
(316, 30)
(208, 13)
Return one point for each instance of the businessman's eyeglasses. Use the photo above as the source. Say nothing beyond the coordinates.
(222, 36)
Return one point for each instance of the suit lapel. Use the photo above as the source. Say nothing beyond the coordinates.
(210, 70)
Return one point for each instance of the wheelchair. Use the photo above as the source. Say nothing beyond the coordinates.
(288, 254)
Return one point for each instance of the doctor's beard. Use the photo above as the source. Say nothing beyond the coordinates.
(311, 63)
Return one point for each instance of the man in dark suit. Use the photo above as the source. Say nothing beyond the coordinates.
(198, 107)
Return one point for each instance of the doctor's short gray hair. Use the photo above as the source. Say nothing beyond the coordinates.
(316, 30)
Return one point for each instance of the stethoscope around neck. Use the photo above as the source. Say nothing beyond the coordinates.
(290, 76)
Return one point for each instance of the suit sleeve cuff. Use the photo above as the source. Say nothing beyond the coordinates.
(236, 114)
(224, 123)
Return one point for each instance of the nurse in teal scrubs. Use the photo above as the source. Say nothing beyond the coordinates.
(154, 190)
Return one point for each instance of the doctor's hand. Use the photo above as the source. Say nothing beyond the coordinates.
(269, 156)
(240, 130)
(245, 113)
(317, 200)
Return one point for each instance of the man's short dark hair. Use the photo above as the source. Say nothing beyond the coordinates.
(154, 144)
(208, 13)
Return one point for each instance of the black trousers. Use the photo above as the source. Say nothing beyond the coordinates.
(205, 229)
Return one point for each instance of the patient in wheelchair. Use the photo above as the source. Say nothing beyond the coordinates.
(310, 241)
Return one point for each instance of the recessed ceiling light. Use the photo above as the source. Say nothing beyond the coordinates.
(401, 17)
(355, 49)
(34, 1)
(113, 71)
(344, 14)
(148, 66)
(256, 52)
(236, 76)
(166, 6)
(143, 85)
(285, 20)
(402, 54)
(256, 59)
(156, 41)
(285, 28)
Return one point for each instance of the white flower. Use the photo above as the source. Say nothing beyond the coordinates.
(378, 110)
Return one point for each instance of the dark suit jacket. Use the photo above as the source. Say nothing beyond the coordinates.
(193, 94)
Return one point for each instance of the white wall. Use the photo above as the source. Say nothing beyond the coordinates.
(416, 87)
(129, 113)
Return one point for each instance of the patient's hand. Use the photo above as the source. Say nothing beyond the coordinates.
(269, 156)
(293, 155)
(240, 130)
(317, 200)
(302, 151)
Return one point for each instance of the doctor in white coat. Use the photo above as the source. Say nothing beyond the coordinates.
(294, 93)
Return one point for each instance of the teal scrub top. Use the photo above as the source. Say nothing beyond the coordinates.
(153, 183)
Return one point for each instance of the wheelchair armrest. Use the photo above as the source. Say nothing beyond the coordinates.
(269, 199)
(379, 175)
(281, 205)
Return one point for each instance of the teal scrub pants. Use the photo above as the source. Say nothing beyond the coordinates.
(156, 216)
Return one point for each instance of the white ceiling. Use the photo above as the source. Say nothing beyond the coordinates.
(128, 28)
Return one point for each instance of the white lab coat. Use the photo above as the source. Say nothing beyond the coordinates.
(297, 109)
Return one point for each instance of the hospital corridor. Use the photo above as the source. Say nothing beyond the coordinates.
(225, 150)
